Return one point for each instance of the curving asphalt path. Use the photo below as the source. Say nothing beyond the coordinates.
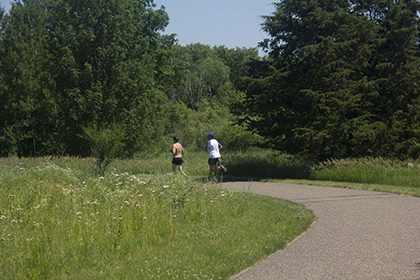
(358, 235)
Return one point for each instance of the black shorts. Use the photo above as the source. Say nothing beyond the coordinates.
(214, 161)
(177, 161)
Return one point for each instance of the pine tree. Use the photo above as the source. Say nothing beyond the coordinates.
(322, 90)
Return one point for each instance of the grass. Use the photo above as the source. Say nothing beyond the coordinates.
(376, 174)
(259, 163)
(403, 190)
(58, 220)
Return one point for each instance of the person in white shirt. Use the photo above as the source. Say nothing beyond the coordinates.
(213, 148)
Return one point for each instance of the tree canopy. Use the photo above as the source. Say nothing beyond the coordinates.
(72, 66)
(340, 80)
(68, 63)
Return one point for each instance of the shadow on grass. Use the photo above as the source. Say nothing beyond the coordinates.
(260, 166)
(268, 165)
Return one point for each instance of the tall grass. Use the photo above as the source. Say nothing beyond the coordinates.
(195, 165)
(58, 220)
(253, 164)
(370, 170)
(260, 163)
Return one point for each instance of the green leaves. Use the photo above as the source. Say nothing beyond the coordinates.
(68, 63)
(207, 74)
(340, 80)
(106, 143)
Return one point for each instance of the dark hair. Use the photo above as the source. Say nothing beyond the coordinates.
(176, 139)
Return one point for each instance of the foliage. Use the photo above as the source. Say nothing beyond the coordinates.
(209, 74)
(55, 223)
(340, 79)
(24, 79)
(202, 74)
(416, 129)
(68, 63)
(204, 93)
(192, 127)
(265, 164)
(380, 173)
(106, 143)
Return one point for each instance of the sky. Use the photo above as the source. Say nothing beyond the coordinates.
(232, 23)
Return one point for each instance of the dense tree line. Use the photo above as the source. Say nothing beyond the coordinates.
(69, 67)
(340, 80)
(68, 63)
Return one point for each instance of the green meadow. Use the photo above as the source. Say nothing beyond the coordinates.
(375, 174)
(59, 220)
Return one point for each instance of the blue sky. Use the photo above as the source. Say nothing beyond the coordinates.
(232, 23)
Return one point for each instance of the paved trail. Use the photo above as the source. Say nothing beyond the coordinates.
(358, 235)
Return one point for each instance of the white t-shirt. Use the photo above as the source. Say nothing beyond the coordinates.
(213, 146)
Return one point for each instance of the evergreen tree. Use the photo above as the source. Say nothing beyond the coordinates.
(333, 66)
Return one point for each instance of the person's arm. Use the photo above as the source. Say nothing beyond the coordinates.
(173, 150)
(207, 148)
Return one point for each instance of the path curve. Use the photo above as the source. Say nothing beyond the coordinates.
(358, 235)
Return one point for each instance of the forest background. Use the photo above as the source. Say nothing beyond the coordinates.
(339, 79)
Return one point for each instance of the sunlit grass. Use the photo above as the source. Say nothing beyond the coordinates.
(370, 170)
(377, 174)
(58, 220)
